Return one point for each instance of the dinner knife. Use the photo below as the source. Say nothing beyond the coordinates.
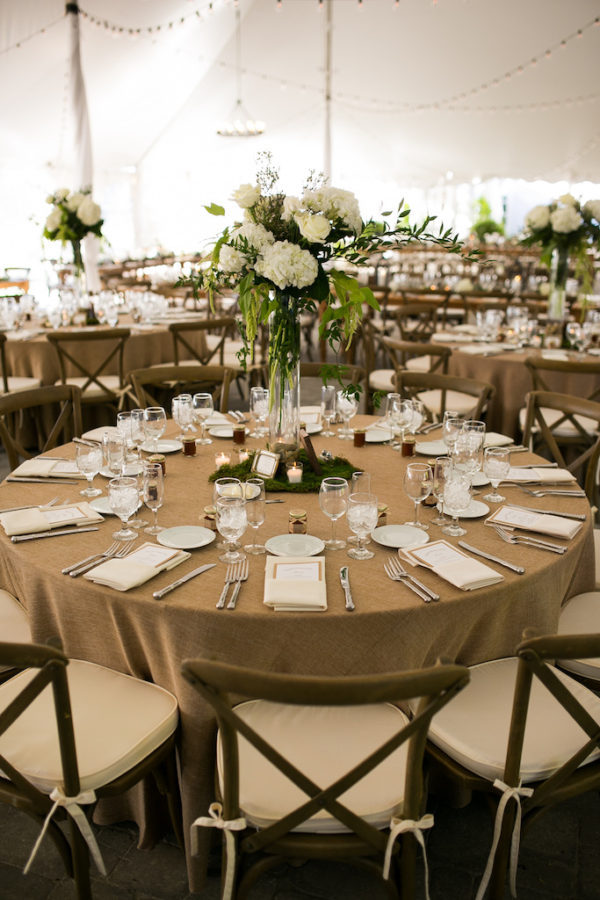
(16, 480)
(158, 595)
(345, 580)
(581, 517)
(501, 562)
(17, 538)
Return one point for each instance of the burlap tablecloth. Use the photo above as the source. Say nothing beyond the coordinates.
(391, 628)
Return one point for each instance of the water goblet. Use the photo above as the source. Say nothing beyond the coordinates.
(419, 414)
(153, 492)
(89, 463)
(328, 409)
(418, 483)
(202, 409)
(496, 466)
(361, 483)
(333, 500)
(182, 410)
(259, 407)
(231, 524)
(362, 519)
(457, 497)
(399, 414)
(441, 472)
(123, 500)
(254, 490)
(124, 429)
(155, 422)
(347, 406)
(466, 454)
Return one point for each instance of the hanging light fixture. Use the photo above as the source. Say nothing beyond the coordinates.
(240, 122)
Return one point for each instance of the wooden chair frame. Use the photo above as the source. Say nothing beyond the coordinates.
(11, 405)
(20, 793)
(118, 337)
(177, 378)
(216, 681)
(180, 332)
(399, 352)
(424, 314)
(537, 365)
(535, 661)
(411, 384)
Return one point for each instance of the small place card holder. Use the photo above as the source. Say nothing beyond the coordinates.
(265, 464)
(310, 452)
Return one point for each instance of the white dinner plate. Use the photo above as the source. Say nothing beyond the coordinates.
(222, 431)
(294, 545)
(131, 469)
(101, 505)
(377, 435)
(163, 447)
(476, 510)
(96, 434)
(186, 537)
(400, 536)
(479, 479)
(431, 448)
(495, 439)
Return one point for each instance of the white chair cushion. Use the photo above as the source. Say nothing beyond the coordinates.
(581, 615)
(22, 383)
(14, 623)
(566, 429)
(324, 743)
(382, 380)
(118, 720)
(461, 403)
(418, 363)
(92, 391)
(473, 729)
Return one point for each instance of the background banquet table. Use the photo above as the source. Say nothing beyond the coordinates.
(391, 628)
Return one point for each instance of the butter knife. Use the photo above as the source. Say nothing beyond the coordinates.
(17, 538)
(345, 580)
(501, 562)
(158, 595)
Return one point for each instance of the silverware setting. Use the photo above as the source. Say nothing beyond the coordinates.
(534, 543)
(495, 559)
(397, 572)
(38, 535)
(230, 576)
(158, 595)
(431, 426)
(242, 575)
(113, 552)
(541, 492)
(345, 581)
(580, 517)
(33, 506)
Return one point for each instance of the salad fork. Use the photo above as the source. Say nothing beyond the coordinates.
(555, 493)
(399, 569)
(403, 579)
(230, 577)
(242, 575)
(113, 548)
(527, 541)
(109, 554)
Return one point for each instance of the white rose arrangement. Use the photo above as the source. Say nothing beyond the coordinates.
(74, 215)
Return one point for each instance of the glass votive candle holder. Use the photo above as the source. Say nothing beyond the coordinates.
(222, 459)
(242, 455)
(294, 472)
(189, 446)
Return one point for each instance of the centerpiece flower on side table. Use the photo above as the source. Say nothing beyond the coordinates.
(74, 215)
(282, 260)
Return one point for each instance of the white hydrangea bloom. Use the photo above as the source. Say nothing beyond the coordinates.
(538, 217)
(256, 235)
(61, 193)
(74, 201)
(287, 265)
(246, 195)
(567, 200)
(53, 220)
(335, 204)
(565, 219)
(314, 228)
(291, 205)
(231, 260)
(592, 209)
(88, 212)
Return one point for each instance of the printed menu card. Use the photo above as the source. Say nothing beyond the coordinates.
(295, 584)
(555, 526)
(452, 565)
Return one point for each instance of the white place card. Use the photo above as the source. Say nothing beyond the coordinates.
(555, 526)
(152, 555)
(452, 565)
(295, 584)
(65, 514)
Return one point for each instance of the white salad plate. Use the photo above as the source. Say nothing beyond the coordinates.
(399, 536)
(131, 469)
(377, 435)
(186, 537)
(102, 506)
(431, 448)
(222, 431)
(96, 434)
(475, 510)
(163, 447)
(294, 545)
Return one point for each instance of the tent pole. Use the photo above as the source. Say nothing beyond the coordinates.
(327, 136)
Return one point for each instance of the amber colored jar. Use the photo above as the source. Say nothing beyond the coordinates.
(189, 446)
(159, 460)
(408, 446)
(298, 521)
(239, 434)
(360, 436)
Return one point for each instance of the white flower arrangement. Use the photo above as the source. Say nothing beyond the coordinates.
(74, 215)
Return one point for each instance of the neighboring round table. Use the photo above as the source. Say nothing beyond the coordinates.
(391, 628)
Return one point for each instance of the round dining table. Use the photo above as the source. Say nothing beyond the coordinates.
(390, 629)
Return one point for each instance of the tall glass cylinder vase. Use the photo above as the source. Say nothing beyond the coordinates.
(557, 298)
(79, 282)
(284, 376)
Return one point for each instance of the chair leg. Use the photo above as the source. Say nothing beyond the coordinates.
(168, 785)
(81, 863)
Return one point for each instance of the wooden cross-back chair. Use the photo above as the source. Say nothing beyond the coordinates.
(567, 428)
(438, 392)
(418, 321)
(11, 383)
(98, 384)
(186, 350)
(157, 385)
(549, 724)
(286, 757)
(72, 732)
(41, 419)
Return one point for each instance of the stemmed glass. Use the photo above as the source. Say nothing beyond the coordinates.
(361, 483)
(89, 463)
(155, 422)
(202, 409)
(182, 411)
(418, 483)
(441, 472)
(124, 429)
(153, 492)
(114, 448)
(333, 500)
(231, 524)
(328, 397)
(227, 486)
(398, 414)
(452, 426)
(123, 500)
(362, 519)
(496, 466)
(255, 510)
(259, 407)
(137, 427)
(457, 497)
(347, 407)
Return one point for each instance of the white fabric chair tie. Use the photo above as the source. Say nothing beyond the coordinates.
(507, 793)
(402, 826)
(72, 805)
(228, 826)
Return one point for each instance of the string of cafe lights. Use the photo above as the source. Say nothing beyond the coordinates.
(535, 106)
(24, 40)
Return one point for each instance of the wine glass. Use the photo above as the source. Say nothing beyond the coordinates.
(231, 524)
(202, 409)
(362, 519)
(457, 497)
(89, 463)
(361, 483)
(399, 415)
(466, 454)
(153, 492)
(496, 466)
(347, 407)
(451, 428)
(155, 422)
(441, 472)
(418, 483)
(259, 407)
(124, 429)
(333, 499)
(137, 427)
(113, 446)
(328, 397)
(181, 410)
(255, 510)
(476, 431)
(123, 500)
(419, 414)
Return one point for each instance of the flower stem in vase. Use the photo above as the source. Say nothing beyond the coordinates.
(284, 376)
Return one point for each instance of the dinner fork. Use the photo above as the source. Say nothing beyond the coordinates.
(241, 576)
(541, 492)
(398, 569)
(230, 577)
(527, 541)
(113, 554)
(113, 547)
(403, 579)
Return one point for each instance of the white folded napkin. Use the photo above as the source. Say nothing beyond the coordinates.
(449, 337)
(137, 568)
(30, 521)
(554, 526)
(218, 418)
(482, 349)
(452, 565)
(494, 439)
(44, 467)
(541, 476)
(555, 354)
(295, 584)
